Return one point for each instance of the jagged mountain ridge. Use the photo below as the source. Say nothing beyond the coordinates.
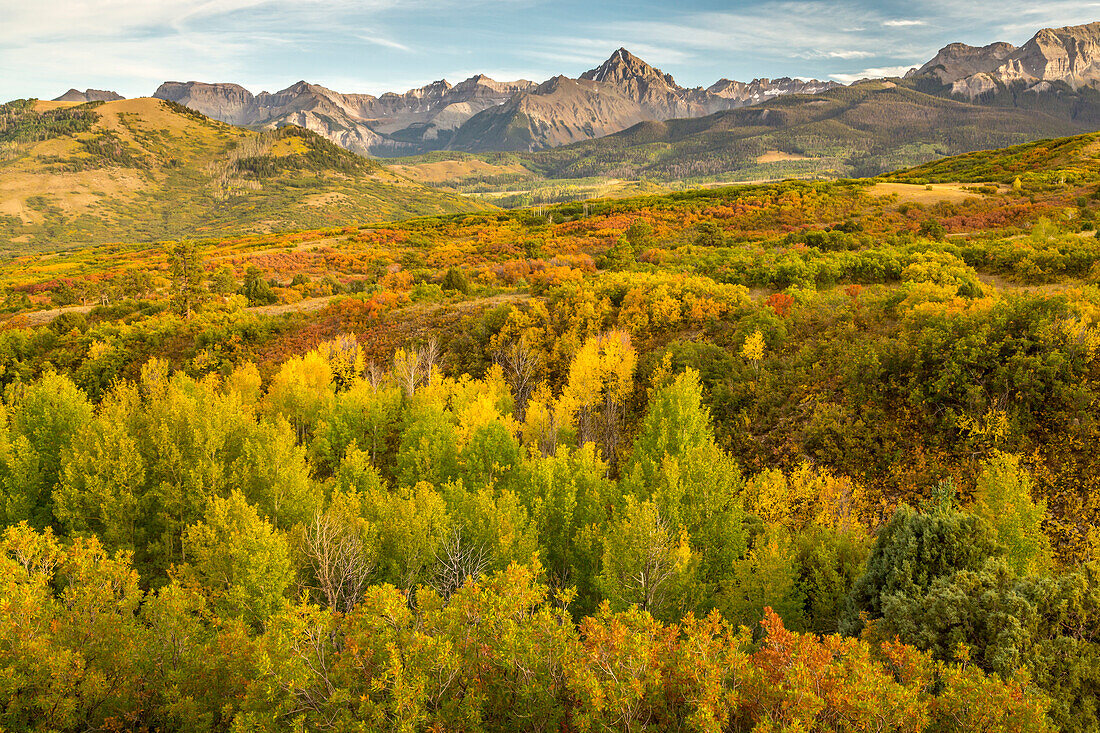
(560, 111)
(618, 94)
(362, 123)
(958, 60)
(761, 90)
(481, 113)
(656, 92)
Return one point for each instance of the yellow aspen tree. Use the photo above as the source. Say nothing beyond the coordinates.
(753, 349)
(345, 358)
(601, 378)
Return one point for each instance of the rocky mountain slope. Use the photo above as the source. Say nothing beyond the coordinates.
(481, 113)
(559, 111)
(958, 61)
(89, 95)
(655, 92)
(147, 169)
(621, 92)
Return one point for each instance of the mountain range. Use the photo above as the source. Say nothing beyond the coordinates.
(966, 98)
(479, 113)
(418, 119)
(1057, 72)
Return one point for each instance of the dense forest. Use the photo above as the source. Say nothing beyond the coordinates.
(384, 552)
(787, 457)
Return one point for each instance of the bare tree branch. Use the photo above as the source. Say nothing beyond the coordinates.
(457, 561)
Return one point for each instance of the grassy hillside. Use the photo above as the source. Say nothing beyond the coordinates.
(146, 169)
(1071, 159)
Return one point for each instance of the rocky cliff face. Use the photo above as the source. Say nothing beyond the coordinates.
(1070, 55)
(88, 95)
(957, 61)
(653, 90)
(557, 112)
(481, 113)
(230, 103)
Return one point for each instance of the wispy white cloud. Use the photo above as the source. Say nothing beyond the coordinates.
(134, 44)
(875, 73)
(384, 42)
(846, 55)
(903, 23)
(779, 29)
(1014, 20)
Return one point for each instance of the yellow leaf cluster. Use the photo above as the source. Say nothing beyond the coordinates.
(806, 496)
(992, 426)
(753, 348)
(345, 358)
(602, 371)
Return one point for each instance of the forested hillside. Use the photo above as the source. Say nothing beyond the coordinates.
(142, 170)
(865, 129)
(785, 457)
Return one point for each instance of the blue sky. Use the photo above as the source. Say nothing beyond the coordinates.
(47, 46)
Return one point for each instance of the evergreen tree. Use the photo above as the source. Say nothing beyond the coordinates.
(256, 289)
(455, 281)
(187, 274)
(914, 549)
